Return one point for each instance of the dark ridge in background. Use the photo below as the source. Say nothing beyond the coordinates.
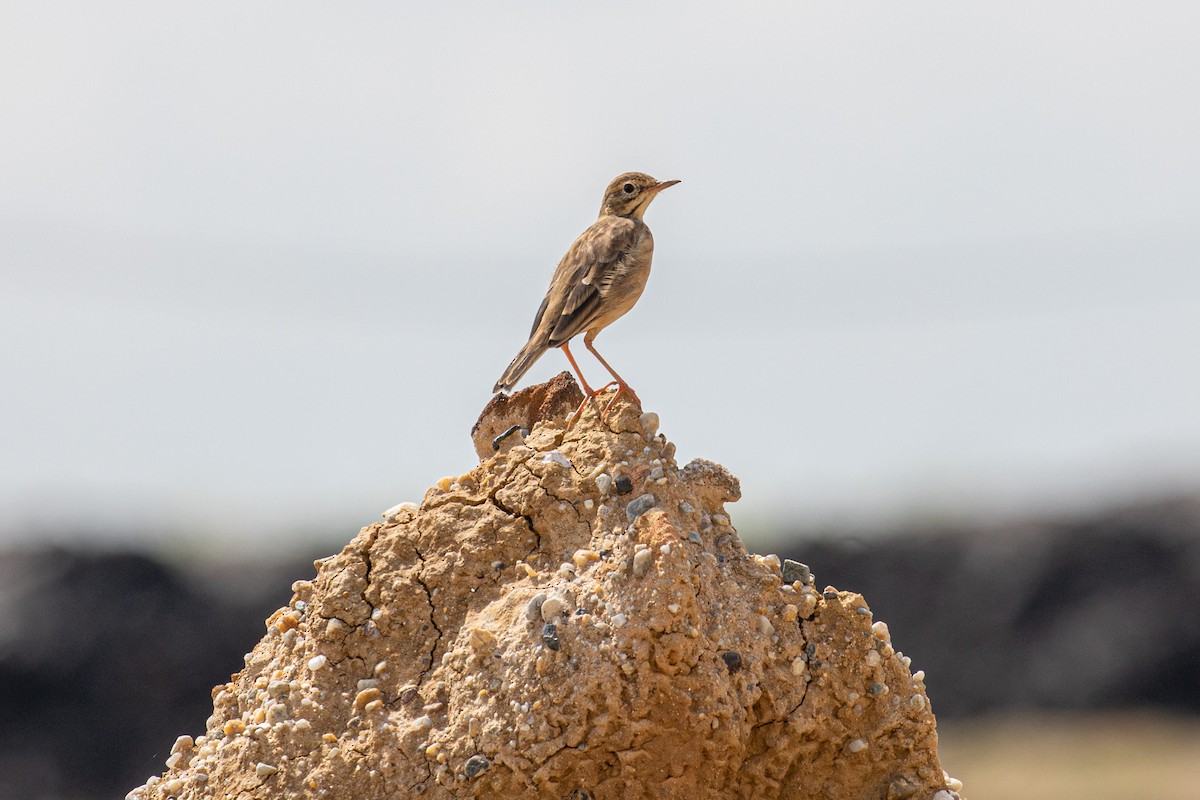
(106, 657)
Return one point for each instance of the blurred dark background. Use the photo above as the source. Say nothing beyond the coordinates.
(106, 657)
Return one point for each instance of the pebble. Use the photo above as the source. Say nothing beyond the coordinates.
(798, 666)
(400, 508)
(425, 721)
(649, 423)
(550, 635)
(264, 770)
(174, 786)
(642, 560)
(856, 746)
(873, 658)
(584, 557)
(366, 696)
(476, 765)
(639, 506)
(656, 473)
(624, 485)
(917, 702)
(943, 795)
(233, 727)
(795, 571)
(720, 519)
(880, 629)
(552, 606)
(685, 507)
(733, 661)
(764, 626)
(619, 620)
(277, 688)
(184, 742)
(673, 608)
(603, 484)
(317, 662)
(174, 760)
(771, 561)
(533, 609)
(555, 457)
(367, 683)
(693, 536)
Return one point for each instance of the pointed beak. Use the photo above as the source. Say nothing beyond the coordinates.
(658, 187)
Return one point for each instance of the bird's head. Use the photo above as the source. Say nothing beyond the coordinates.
(630, 194)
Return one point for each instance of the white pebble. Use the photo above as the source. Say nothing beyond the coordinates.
(856, 746)
(619, 620)
(673, 608)
(552, 607)
(764, 626)
(317, 662)
(263, 770)
(880, 629)
(873, 659)
(641, 562)
(798, 666)
(555, 457)
(603, 483)
(649, 422)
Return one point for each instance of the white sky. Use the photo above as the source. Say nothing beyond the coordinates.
(261, 263)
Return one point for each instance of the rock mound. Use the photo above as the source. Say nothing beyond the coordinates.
(576, 618)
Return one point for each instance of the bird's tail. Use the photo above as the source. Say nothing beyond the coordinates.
(530, 353)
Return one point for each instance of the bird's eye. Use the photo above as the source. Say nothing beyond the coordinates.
(628, 188)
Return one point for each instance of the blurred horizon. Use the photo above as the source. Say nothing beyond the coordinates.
(262, 264)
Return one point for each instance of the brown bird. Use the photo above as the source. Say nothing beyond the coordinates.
(596, 282)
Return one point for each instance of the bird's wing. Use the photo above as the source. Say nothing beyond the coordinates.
(575, 292)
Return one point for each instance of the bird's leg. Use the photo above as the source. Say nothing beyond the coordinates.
(588, 394)
(622, 386)
(587, 390)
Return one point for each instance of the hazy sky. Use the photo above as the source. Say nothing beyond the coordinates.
(261, 263)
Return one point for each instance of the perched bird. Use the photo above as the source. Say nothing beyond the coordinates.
(596, 282)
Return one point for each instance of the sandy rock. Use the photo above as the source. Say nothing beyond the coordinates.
(423, 660)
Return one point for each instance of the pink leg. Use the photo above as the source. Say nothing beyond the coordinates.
(622, 386)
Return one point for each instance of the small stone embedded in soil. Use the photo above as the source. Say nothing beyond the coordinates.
(476, 765)
(733, 661)
(550, 635)
(856, 746)
(552, 607)
(642, 560)
(555, 457)
(533, 609)
(795, 571)
(694, 537)
(263, 770)
(604, 483)
(624, 485)
(639, 506)
(649, 422)
(317, 662)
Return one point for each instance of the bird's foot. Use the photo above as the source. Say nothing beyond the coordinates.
(622, 388)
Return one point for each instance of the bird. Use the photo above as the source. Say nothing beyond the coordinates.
(599, 279)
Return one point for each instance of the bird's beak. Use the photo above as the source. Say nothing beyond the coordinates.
(658, 187)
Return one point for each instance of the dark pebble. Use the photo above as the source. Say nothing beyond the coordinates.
(733, 661)
(640, 506)
(407, 696)
(795, 571)
(624, 485)
(550, 635)
(476, 765)
(830, 594)
(580, 794)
